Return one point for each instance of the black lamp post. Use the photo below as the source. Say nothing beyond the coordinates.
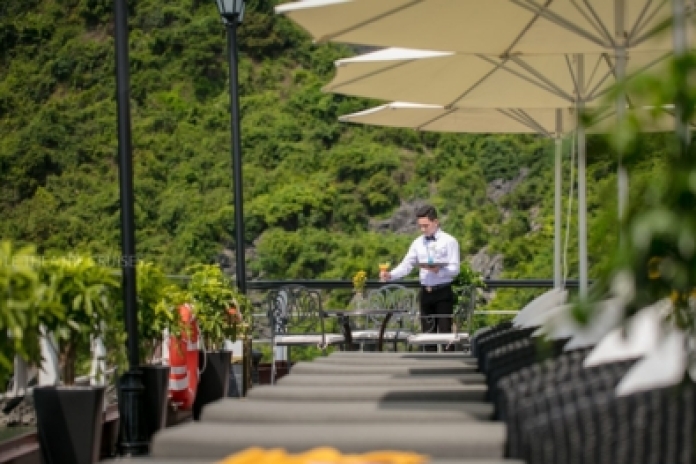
(133, 438)
(232, 12)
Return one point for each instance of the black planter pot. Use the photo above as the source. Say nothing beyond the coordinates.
(69, 422)
(214, 381)
(156, 383)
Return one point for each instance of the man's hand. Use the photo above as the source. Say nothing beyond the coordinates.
(384, 276)
(432, 268)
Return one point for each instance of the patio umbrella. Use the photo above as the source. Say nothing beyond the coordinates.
(492, 26)
(503, 28)
(484, 81)
(549, 122)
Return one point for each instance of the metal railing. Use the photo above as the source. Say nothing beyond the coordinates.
(348, 284)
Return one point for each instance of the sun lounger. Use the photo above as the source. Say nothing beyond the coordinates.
(380, 379)
(379, 368)
(430, 393)
(214, 440)
(308, 411)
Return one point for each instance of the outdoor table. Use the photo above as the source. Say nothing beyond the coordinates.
(344, 316)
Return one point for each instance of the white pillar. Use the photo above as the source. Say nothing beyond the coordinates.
(582, 182)
(49, 374)
(21, 377)
(557, 209)
(680, 45)
(620, 72)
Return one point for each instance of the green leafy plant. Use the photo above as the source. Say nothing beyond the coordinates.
(79, 301)
(467, 277)
(223, 313)
(657, 256)
(21, 292)
(158, 303)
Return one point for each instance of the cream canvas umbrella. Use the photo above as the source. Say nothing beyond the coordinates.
(549, 122)
(484, 81)
(486, 26)
(503, 28)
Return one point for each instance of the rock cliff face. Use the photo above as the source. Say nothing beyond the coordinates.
(490, 266)
(402, 221)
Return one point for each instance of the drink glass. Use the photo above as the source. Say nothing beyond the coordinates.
(383, 267)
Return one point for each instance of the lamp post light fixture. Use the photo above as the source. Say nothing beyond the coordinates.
(232, 13)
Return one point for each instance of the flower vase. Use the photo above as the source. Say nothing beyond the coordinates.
(359, 299)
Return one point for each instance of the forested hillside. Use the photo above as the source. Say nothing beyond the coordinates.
(313, 186)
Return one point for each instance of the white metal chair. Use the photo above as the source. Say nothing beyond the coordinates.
(403, 301)
(297, 319)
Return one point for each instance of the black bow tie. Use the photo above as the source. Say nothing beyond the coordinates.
(429, 238)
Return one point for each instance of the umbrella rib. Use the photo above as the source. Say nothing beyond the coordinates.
(497, 65)
(595, 70)
(598, 24)
(530, 5)
(332, 88)
(573, 76)
(531, 122)
(386, 14)
(436, 118)
(663, 25)
(643, 17)
(612, 71)
(525, 29)
(638, 71)
(525, 120)
(545, 82)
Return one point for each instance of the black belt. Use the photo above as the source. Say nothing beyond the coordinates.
(432, 288)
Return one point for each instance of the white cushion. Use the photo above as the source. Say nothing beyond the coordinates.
(664, 367)
(426, 338)
(639, 337)
(541, 304)
(607, 315)
(374, 334)
(541, 319)
(284, 340)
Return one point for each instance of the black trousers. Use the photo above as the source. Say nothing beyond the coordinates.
(436, 308)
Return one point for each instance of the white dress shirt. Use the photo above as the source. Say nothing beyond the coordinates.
(444, 249)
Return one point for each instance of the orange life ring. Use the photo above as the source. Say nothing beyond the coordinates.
(183, 361)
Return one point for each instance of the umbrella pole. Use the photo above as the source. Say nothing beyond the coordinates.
(582, 181)
(622, 174)
(620, 51)
(680, 45)
(557, 274)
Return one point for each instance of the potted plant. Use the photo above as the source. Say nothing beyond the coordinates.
(158, 302)
(79, 298)
(359, 282)
(466, 289)
(220, 311)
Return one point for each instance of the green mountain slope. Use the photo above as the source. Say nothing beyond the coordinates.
(311, 184)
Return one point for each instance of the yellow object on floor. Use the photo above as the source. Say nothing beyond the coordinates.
(322, 456)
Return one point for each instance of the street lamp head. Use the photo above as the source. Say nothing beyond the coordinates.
(231, 10)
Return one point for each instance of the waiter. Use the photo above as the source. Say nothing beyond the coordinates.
(437, 254)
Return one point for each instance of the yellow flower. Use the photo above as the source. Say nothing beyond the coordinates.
(323, 455)
(676, 296)
(359, 280)
(654, 267)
